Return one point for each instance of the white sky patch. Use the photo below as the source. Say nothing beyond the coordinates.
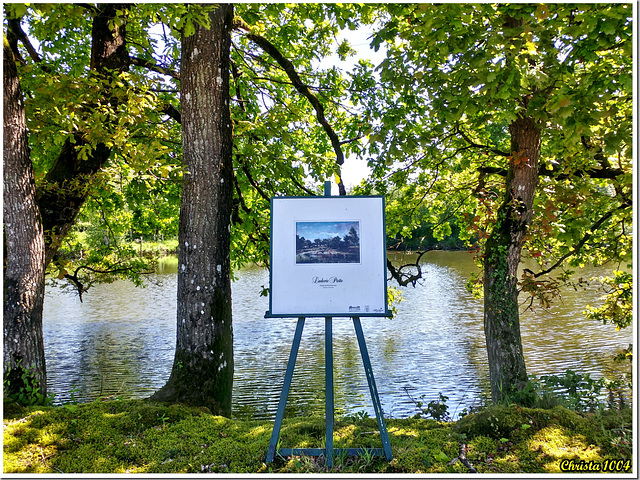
(354, 169)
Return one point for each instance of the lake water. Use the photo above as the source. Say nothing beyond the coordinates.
(120, 342)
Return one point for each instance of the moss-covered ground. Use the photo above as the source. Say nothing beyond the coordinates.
(140, 437)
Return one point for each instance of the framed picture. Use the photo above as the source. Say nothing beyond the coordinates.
(328, 257)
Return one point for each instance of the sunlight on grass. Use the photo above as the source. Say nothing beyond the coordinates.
(140, 437)
(557, 444)
(402, 432)
(260, 430)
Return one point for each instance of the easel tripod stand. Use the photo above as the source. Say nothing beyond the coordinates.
(328, 452)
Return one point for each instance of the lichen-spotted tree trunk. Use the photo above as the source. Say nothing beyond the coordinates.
(507, 370)
(23, 244)
(202, 372)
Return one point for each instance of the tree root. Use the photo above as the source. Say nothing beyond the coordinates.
(462, 457)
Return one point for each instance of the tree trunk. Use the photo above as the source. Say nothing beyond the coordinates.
(202, 372)
(507, 369)
(68, 178)
(23, 243)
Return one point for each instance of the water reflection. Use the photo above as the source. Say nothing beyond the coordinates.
(120, 341)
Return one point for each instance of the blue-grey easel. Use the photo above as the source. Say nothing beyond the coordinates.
(329, 451)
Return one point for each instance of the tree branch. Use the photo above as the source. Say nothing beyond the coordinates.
(154, 67)
(300, 86)
(605, 173)
(480, 146)
(352, 140)
(15, 34)
(236, 76)
(302, 187)
(253, 183)
(239, 202)
(172, 112)
(80, 286)
(601, 221)
(88, 6)
(405, 279)
(493, 171)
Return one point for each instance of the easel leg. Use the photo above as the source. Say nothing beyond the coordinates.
(275, 435)
(386, 445)
(328, 365)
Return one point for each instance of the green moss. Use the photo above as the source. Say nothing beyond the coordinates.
(142, 437)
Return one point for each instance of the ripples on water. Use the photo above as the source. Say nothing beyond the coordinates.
(120, 342)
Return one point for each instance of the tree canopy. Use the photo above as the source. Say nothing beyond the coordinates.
(457, 75)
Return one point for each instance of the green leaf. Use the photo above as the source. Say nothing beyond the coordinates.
(441, 457)
(189, 28)
(16, 10)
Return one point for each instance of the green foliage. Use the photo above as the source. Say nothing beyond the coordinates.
(455, 80)
(618, 301)
(137, 192)
(435, 409)
(356, 417)
(279, 147)
(429, 118)
(579, 391)
(394, 297)
(575, 391)
(21, 385)
(617, 309)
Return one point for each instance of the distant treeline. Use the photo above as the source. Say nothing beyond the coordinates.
(350, 240)
(422, 239)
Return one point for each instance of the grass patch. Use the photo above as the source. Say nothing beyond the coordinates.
(135, 436)
(155, 249)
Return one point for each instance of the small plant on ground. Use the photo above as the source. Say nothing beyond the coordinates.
(21, 385)
(576, 391)
(436, 409)
(356, 417)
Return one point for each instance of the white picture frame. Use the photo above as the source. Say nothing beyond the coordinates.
(328, 257)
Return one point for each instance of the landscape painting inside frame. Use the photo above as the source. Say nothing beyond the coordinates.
(327, 242)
